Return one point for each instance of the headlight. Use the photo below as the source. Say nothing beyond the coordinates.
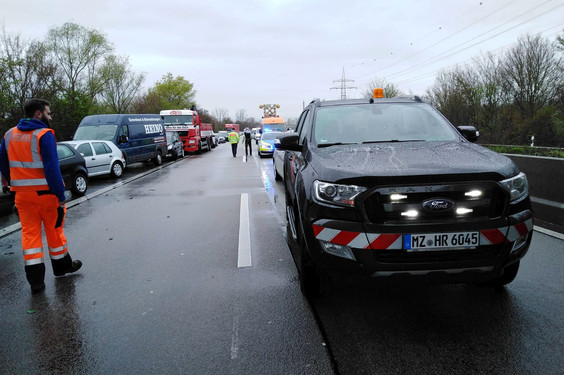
(169, 147)
(342, 195)
(264, 145)
(517, 186)
(192, 141)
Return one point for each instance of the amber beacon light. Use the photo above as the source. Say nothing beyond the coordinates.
(378, 93)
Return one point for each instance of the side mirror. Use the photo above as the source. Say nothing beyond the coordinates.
(469, 132)
(288, 143)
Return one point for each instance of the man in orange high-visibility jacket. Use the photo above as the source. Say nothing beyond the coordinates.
(30, 165)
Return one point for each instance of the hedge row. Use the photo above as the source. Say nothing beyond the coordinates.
(528, 150)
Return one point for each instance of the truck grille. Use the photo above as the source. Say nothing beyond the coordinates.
(396, 205)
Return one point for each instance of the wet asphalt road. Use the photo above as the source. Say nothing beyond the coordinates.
(160, 292)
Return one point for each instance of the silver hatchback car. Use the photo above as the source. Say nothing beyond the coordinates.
(102, 157)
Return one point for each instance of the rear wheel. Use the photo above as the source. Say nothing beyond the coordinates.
(158, 159)
(117, 169)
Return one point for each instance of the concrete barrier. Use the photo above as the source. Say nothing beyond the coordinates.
(546, 179)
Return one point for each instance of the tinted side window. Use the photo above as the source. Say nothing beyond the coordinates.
(85, 149)
(99, 148)
(124, 130)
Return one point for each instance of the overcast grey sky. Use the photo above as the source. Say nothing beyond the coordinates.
(242, 53)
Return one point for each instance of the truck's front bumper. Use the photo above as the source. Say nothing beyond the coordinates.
(382, 252)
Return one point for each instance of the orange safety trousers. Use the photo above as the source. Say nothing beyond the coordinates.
(35, 209)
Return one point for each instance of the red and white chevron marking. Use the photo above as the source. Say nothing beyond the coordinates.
(357, 240)
(393, 241)
(505, 234)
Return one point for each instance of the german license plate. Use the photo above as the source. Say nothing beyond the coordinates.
(444, 241)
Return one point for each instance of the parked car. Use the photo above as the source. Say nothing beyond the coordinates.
(175, 148)
(214, 140)
(73, 169)
(6, 199)
(102, 157)
(74, 172)
(389, 190)
(266, 143)
(222, 136)
(278, 160)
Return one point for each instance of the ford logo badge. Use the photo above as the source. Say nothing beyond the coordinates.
(438, 204)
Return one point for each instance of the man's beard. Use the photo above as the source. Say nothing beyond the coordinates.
(44, 119)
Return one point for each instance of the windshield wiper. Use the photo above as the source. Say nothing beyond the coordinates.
(395, 140)
(335, 144)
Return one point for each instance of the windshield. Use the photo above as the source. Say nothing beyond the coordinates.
(100, 132)
(270, 136)
(177, 120)
(374, 123)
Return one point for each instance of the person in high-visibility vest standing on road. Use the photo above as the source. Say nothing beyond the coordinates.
(234, 140)
(30, 166)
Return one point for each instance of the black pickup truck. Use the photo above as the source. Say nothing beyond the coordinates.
(389, 189)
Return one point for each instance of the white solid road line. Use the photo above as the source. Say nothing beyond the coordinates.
(244, 258)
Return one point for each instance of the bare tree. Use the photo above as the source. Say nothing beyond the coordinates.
(457, 94)
(79, 52)
(221, 114)
(533, 71)
(122, 85)
(240, 116)
(27, 71)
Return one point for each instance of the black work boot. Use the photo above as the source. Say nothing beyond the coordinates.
(75, 266)
(35, 275)
(37, 288)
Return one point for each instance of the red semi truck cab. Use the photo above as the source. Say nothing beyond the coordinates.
(195, 135)
(232, 127)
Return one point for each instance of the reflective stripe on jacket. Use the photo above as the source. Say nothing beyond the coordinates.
(26, 165)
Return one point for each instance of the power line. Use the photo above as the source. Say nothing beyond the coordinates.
(434, 72)
(445, 54)
(446, 38)
(442, 55)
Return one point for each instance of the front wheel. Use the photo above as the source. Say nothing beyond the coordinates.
(117, 170)
(277, 176)
(80, 184)
(509, 274)
(313, 282)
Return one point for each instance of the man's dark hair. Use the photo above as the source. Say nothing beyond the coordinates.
(32, 105)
